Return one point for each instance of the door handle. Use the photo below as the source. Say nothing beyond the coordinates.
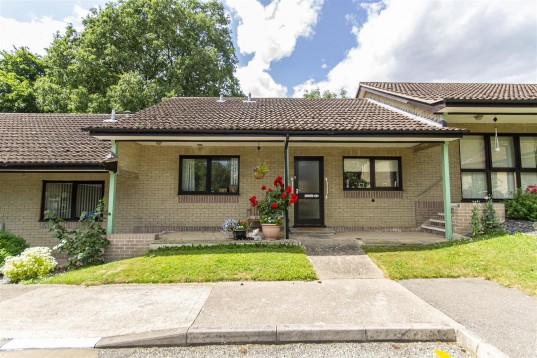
(326, 180)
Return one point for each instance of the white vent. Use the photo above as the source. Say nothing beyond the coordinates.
(112, 118)
(221, 97)
(249, 99)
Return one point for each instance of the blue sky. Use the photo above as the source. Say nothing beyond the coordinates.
(288, 46)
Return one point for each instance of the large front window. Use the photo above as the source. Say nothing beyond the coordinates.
(371, 173)
(496, 167)
(209, 175)
(69, 199)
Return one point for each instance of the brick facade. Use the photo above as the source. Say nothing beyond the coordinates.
(462, 215)
(123, 246)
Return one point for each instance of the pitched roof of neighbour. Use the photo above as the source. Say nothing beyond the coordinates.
(438, 92)
(42, 139)
(265, 115)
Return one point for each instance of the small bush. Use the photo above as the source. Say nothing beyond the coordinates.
(84, 245)
(3, 255)
(32, 263)
(523, 206)
(13, 244)
(476, 224)
(489, 221)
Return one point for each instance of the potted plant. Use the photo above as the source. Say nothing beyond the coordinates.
(272, 207)
(228, 226)
(260, 169)
(239, 232)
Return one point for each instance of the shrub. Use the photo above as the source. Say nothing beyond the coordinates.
(476, 224)
(32, 263)
(13, 244)
(523, 206)
(489, 221)
(84, 245)
(3, 254)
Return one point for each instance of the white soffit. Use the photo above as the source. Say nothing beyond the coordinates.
(280, 144)
(487, 118)
(489, 110)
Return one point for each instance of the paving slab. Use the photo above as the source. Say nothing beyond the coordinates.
(330, 246)
(349, 267)
(340, 301)
(49, 343)
(52, 353)
(63, 311)
(503, 317)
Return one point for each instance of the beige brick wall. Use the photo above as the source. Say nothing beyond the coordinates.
(152, 201)
(20, 203)
(462, 215)
(123, 246)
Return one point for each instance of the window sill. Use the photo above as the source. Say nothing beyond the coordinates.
(208, 199)
(373, 194)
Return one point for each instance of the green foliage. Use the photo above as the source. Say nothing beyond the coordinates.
(489, 221)
(32, 263)
(523, 206)
(3, 254)
(12, 244)
(85, 244)
(133, 53)
(275, 203)
(19, 70)
(477, 229)
(316, 93)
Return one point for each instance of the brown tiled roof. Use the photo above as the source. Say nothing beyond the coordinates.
(295, 115)
(436, 92)
(50, 139)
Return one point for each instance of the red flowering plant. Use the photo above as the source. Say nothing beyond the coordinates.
(275, 202)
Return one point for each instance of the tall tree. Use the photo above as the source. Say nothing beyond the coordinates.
(19, 69)
(316, 93)
(134, 53)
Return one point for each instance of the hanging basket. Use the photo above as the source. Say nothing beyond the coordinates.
(259, 175)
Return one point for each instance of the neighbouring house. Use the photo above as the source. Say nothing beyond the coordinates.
(391, 159)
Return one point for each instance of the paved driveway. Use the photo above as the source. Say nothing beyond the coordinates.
(504, 317)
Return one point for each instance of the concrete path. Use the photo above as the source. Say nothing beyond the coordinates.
(62, 311)
(505, 317)
(345, 267)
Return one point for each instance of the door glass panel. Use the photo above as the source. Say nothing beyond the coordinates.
(309, 209)
(503, 155)
(472, 150)
(503, 185)
(386, 173)
(357, 173)
(528, 152)
(308, 179)
(527, 179)
(474, 185)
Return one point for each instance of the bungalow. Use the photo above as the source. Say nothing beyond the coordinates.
(389, 160)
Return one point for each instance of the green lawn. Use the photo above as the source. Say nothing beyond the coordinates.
(199, 264)
(510, 260)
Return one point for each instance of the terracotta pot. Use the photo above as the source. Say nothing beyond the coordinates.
(270, 231)
(259, 175)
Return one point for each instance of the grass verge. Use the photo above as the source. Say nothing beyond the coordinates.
(510, 260)
(199, 264)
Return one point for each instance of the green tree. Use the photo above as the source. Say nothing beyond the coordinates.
(133, 53)
(19, 70)
(316, 93)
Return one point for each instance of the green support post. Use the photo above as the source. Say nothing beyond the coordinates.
(112, 194)
(446, 190)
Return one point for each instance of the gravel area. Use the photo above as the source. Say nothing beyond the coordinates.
(364, 350)
(523, 226)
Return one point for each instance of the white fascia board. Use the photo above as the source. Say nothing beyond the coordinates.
(407, 114)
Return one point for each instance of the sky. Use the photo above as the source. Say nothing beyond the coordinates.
(287, 47)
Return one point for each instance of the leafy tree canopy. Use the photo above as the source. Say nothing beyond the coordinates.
(316, 93)
(132, 54)
(19, 70)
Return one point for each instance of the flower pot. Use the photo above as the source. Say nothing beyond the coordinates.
(239, 234)
(270, 231)
(259, 175)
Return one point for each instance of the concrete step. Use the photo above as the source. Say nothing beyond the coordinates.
(441, 214)
(437, 230)
(312, 231)
(437, 221)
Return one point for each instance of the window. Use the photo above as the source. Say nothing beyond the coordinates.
(371, 173)
(497, 168)
(70, 199)
(209, 175)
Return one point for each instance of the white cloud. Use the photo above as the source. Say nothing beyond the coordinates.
(435, 41)
(270, 34)
(324, 66)
(36, 34)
